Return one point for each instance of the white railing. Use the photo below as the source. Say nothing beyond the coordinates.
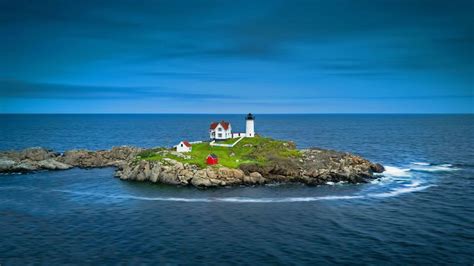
(190, 142)
(213, 143)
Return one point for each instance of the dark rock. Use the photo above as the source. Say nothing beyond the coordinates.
(377, 168)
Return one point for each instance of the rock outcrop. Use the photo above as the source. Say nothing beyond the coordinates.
(313, 167)
(33, 159)
(88, 159)
(176, 173)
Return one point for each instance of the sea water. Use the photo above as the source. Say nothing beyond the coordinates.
(420, 210)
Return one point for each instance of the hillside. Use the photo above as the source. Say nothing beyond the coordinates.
(257, 150)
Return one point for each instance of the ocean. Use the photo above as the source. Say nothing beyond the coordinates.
(420, 211)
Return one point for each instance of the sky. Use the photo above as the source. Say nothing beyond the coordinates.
(132, 56)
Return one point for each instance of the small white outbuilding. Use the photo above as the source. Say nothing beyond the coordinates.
(184, 146)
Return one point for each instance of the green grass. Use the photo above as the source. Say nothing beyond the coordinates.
(248, 150)
(227, 141)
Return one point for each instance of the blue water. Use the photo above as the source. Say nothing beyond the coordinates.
(420, 211)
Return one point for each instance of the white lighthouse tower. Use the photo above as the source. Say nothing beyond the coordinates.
(249, 126)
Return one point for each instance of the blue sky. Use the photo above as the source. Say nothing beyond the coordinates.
(236, 56)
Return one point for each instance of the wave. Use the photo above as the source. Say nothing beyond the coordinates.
(330, 183)
(286, 199)
(433, 167)
(396, 171)
(223, 199)
(392, 182)
(421, 163)
(392, 193)
(413, 184)
(399, 191)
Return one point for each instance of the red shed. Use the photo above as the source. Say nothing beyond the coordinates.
(212, 159)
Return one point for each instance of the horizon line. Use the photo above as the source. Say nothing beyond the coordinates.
(382, 113)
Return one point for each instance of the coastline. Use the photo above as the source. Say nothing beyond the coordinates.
(314, 167)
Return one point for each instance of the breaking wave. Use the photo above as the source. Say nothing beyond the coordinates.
(396, 192)
(420, 163)
(427, 167)
(397, 180)
(396, 171)
(418, 167)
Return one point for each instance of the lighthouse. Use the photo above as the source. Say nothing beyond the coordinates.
(249, 126)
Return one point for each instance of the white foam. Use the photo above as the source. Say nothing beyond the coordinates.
(223, 199)
(408, 189)
(257, 200)
(396, 171)
(399, 191)
(161, 198)
(421, 163)
(434, 168)
(414, 184)
(393, 193)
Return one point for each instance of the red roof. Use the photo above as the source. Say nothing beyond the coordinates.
(224, 124)
(186, 143)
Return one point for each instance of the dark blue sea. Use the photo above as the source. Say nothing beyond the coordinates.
(420, 211)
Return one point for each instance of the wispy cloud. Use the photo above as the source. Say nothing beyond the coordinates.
(19, 89)
(240, 51)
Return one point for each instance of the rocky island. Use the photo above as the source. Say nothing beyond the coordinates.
(252, 161)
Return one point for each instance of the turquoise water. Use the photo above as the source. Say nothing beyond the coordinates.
(421, 210)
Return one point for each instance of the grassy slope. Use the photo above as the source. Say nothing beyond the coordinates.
(249, 150)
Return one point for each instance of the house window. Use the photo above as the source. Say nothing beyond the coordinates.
(219, 129)
(219, 135)
(181, 144)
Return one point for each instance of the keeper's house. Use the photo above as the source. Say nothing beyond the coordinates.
(220, 130)
(223, 130)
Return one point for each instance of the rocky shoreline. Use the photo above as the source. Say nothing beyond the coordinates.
(314, 167)
(37, 158)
